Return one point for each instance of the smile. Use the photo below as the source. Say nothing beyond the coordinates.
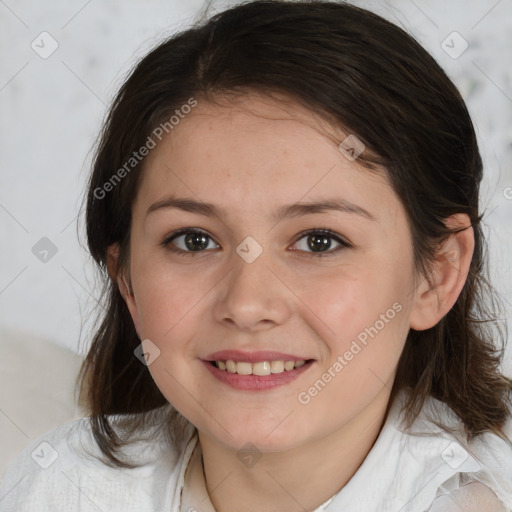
(259, 376)
(261, 368)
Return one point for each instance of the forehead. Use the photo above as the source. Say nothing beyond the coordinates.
(258, 153)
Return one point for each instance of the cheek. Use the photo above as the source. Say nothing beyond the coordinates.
(363, 324)
(167, 300)
(360, 314)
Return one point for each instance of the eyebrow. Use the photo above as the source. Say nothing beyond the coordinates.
(284, 212)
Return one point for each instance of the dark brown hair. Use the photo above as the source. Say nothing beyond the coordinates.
(357, 71)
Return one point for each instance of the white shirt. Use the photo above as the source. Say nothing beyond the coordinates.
(437, 472)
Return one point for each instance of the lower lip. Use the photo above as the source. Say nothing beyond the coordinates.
(257, 382)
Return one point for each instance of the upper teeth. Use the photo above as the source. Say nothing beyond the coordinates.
(260, 368)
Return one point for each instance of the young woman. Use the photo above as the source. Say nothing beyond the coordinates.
(284, 206)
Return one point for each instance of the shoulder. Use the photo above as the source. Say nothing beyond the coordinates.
(65, 469)
(449, 468)
(43, 467)
(472, 497)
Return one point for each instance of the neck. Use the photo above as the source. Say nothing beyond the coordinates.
(294, 480)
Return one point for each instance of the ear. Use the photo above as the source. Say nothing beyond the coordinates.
(432, 301)
(124, 286)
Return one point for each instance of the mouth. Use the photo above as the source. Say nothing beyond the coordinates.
(258, 376)
(260, 368)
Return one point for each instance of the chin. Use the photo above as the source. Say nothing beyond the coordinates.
(264, 436)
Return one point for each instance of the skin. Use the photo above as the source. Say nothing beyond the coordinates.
(250, 158)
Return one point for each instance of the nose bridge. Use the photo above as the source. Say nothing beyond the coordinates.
(252, 293)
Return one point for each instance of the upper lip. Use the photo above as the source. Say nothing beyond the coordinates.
(253, 357)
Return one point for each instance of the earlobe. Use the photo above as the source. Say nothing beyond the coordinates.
(112, 260)
(115, 274)
(124, 286)
(435, 297)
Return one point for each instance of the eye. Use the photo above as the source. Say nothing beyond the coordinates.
(318, 241)
(194, 240)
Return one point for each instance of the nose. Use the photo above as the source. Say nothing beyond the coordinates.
(254, 295)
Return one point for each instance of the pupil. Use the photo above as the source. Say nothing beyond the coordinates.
(194, 237)
(319, 242)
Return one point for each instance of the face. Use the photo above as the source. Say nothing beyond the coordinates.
(250, 281)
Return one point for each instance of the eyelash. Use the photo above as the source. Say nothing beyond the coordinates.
(320, 231)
